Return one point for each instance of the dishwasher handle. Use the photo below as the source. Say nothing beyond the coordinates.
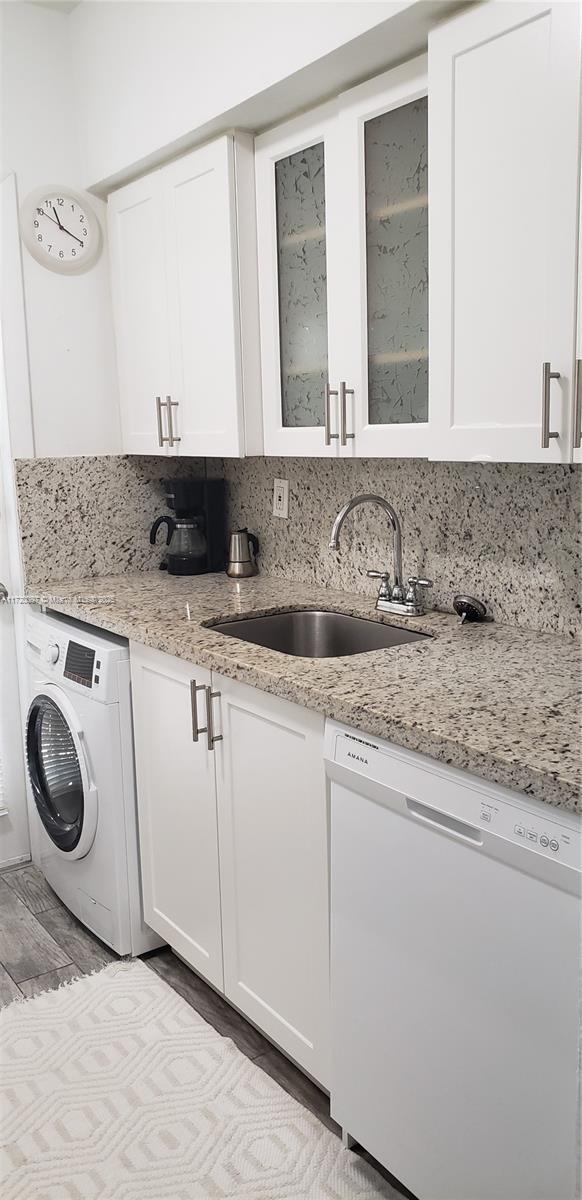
(440, 820)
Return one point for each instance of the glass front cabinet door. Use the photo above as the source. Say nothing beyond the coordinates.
(342, 203)
(291, 178)
(382, 223)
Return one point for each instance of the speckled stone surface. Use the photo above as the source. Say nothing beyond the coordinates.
(507, 533)
(500, 702)
(83, 516)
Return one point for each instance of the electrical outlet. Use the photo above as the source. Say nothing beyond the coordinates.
(281, 498)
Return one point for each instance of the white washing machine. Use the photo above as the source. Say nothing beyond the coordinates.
(79, 753)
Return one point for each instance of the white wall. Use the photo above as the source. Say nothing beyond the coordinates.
(69, 322)
(150, 73)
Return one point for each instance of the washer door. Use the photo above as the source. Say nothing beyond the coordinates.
(65, 800)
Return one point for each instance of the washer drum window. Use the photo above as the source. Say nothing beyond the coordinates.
(55, 773)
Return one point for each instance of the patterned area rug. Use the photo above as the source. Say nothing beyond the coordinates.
(113, 1088)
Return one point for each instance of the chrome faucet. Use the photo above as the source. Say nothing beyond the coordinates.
(394, 599)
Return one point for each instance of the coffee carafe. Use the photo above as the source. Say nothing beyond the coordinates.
(187, 545)
(196, 531)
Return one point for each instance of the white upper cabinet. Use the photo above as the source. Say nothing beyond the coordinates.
(379, 229)
(184, 284)
(135, 218)
(299, 416)
(342, 199)
(504, 84)
(577, 407)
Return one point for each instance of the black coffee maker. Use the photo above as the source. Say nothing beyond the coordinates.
(196, 533)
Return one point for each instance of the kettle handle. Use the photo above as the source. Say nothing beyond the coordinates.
(253, 539)
(169, 522)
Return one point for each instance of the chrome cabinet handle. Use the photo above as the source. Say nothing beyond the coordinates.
(196, 728)
(159, 405)
(547, 375)
(329, 436)
(212, 736)
(170, 404)
(344, 435)
(578, 406)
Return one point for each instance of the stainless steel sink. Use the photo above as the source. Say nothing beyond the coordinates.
(311, 633)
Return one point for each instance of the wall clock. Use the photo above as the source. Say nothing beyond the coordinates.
(60, 229)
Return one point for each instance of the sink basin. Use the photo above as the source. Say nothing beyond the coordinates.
(311, 633)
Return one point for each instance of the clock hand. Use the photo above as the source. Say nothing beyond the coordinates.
(57, 217)
(73, 235)
(62, 227)
(45, 214)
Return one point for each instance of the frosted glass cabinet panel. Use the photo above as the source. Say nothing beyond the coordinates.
(292, 171)
(396, 173)
(378, 233)
(301, 260)
(342, 206)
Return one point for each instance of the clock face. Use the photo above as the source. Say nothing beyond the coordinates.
(60, 229)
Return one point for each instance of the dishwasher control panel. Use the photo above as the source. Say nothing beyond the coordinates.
(545, 834)
(484, 808)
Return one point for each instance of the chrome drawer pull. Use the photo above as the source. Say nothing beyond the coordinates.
(345, 436)
(170, 404)
(578, 406)
(329, 436)
(196, 729)
(212, 736)
(547, 375)
(161, 437)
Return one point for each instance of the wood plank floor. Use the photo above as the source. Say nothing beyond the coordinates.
(42, 946)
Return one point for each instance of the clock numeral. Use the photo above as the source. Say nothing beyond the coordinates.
(84, 233)
(40, 212)
(36, 224)
(82, 220)
(60, 200)
(61, 254)
(39, 237)
(74, 253)
(49, 248)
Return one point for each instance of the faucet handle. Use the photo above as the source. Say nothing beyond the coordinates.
(413, 583)
(384, 592)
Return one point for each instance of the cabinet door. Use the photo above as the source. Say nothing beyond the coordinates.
(503, 131)
(177, 809)
(380, 213)
(299, 418)
(201, 256)
(138, 276)
(577, 413)
(274, 869)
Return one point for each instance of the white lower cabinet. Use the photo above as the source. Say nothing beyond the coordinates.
(273, 869)
(176, 809)
(234, 844)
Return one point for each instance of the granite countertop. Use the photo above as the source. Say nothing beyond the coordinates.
(501, 702)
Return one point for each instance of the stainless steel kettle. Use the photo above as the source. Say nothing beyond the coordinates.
(243, 548)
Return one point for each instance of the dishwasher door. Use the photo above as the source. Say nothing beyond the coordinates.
(455, 1001)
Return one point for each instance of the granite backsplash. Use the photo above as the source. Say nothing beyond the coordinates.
(509, 533)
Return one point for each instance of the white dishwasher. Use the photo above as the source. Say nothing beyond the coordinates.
(455, 976)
